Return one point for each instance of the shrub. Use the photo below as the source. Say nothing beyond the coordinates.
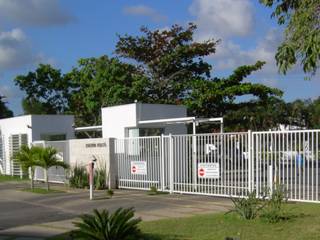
(110, 193)
(274, 210)
(100, 179)
(79, 177)
(119, 225)
(247, 208)
(153, 190)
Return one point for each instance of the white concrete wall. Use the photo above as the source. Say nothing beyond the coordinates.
(115, 119)
(40, 124)
(10, 126)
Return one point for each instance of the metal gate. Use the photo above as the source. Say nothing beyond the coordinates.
(210, 164)
(223, 164)
(289, 159)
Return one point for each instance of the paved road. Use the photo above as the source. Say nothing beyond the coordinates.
(28, 214)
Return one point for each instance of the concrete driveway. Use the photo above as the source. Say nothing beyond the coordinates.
(44, 215)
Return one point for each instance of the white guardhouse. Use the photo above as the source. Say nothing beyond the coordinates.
(21, 130)
(130, 120)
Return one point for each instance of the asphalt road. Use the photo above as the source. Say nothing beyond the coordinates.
(21, 211)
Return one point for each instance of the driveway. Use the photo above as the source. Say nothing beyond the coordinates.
(43, 215)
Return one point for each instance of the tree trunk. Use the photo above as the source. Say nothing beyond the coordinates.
(47, 180)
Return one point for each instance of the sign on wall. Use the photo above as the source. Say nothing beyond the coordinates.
(139, 167)
(208, 170)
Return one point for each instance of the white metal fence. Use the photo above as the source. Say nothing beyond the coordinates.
(223, 164)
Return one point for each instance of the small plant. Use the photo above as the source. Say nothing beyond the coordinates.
(100, 179)
(79, 177)
(247, 208)
(120, 225)
(274, 210)
(110, 193)
(153, 190)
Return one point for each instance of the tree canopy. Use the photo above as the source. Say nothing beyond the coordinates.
(302, 33)
(170, 59)
(161, 66)
(5, 112)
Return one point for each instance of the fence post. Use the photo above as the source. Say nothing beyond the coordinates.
(250, 160)
(162, 163)
(271, 179)
(171, 176)
(111, 164)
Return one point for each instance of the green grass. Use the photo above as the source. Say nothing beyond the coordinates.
(303, 225)
(42, 190)
(7, 178)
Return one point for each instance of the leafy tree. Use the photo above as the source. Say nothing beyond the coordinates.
(102, 225)
(102, 82)
(302, 33)
(218, 97)
(28, 159)
(314, 109)
(170, 59)
(5, 112)
(47, 158)
(47, 90)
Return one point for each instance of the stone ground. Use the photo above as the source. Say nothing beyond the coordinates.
(25, 215)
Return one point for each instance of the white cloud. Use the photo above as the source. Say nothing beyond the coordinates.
(222, 18)
(34, 12)
(15, 50)
(142, 10)
(230, 55)
(9, 92)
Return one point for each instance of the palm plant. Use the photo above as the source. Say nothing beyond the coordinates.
(47, 159)
(120, 225)
(28, 159)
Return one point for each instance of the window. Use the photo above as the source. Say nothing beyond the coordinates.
(144, 132)
(53, 137)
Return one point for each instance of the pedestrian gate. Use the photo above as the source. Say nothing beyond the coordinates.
(223, 164)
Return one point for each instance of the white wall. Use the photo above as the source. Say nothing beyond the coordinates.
(40, 124)
(116, 119)
(10, 126)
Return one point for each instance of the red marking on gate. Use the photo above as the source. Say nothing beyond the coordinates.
(201, 172)
(134, 169)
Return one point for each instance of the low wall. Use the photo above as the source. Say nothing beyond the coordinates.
(80, 152)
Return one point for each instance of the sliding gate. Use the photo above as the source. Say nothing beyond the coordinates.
(224, 164)
(210, 164)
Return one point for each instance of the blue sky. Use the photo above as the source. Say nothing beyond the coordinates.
(61, 32)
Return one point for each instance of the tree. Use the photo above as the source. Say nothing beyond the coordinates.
(47, 158)
(28, 159)
(302, 33)
(102, 82)
(47, 90)
(170, 59)
(5, 112)
(218, 96)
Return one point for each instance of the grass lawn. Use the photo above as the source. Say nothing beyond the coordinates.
(7, 178)
(305, 225)
(42, 190)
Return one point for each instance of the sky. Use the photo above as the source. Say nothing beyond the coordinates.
(61, 32)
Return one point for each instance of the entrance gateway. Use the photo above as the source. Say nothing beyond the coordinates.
(219, 164)
(223, 164)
